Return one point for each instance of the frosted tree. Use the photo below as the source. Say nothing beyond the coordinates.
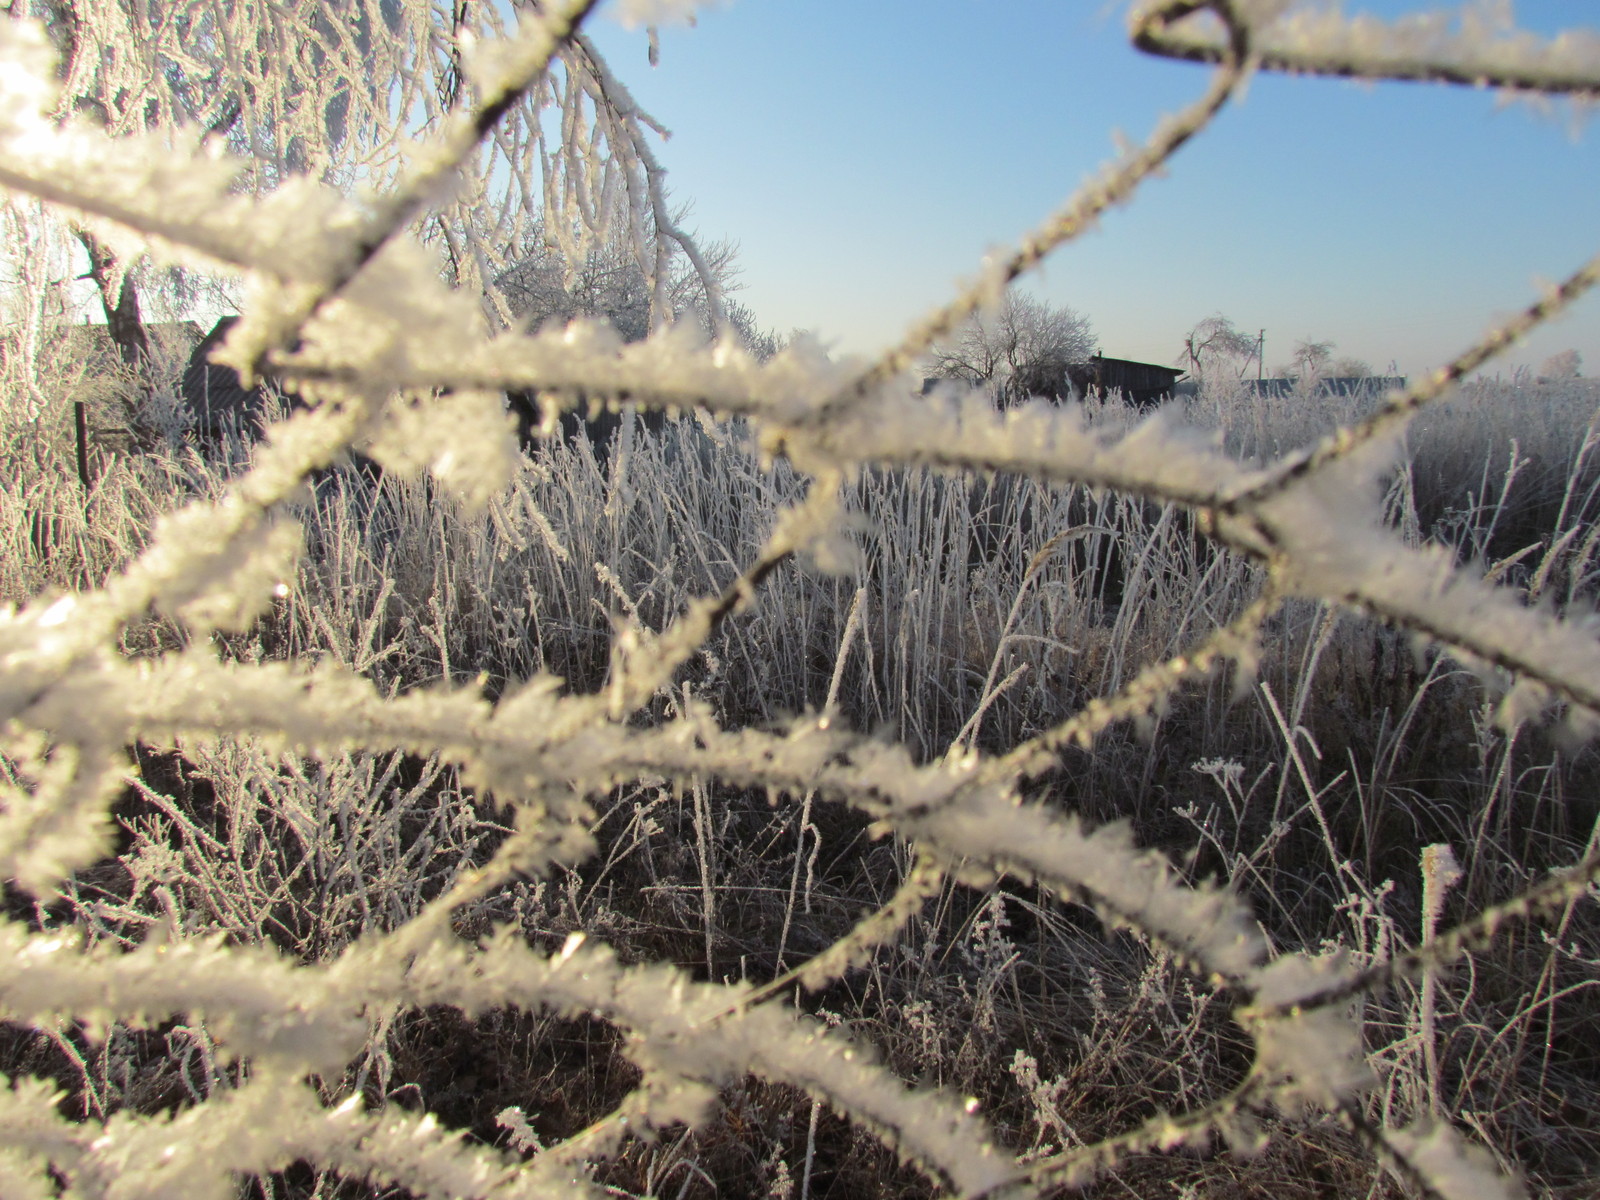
(337, 92)
(1568, 364)
(1217, 345)
(1350, 367)
(1021, 348)
(543, 287)
(1311, 360)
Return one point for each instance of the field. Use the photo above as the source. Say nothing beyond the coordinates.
(978, 612)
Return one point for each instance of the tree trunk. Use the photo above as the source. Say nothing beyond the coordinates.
(120, 300)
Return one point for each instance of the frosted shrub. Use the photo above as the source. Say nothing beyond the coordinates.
(385, 823)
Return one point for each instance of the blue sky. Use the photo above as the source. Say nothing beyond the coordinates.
(865, 155)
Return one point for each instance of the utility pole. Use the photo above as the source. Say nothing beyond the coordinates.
(1261, 354)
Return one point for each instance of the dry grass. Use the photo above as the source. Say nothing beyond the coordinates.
(985, 611)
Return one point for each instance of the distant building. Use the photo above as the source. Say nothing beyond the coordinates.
(1338, 385)
(218, 399)
(90, 346)
(214, 393)
(84, 361)
(1142, 384)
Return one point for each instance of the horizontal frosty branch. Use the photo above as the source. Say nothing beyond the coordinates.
(313, 1019)
(256, 1001)
(697, 1031)
(263, 1126)
(955, 427)
(535, 737)
(1423, 47)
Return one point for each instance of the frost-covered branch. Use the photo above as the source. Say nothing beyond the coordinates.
(1435, 387)
(1480, 48)
(535, 738)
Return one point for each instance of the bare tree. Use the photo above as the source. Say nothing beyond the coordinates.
(337, 92)
(1350, 367)
(608, 282)
(1311, 360)
(1021, 348)
(1217, 346)
(1566, 365)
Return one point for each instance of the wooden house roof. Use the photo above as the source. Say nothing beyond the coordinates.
(214, 392)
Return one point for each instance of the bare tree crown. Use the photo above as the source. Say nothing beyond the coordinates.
(1020, 349)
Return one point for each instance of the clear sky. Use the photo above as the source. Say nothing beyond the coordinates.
(865, 155)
